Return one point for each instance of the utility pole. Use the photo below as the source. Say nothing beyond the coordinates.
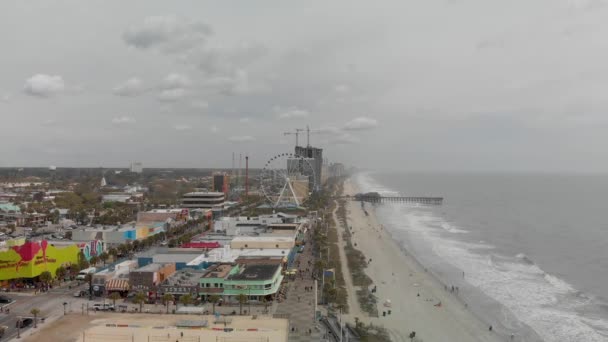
(246, 175)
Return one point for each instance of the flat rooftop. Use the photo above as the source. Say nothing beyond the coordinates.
(255, 272)
(218, 271)
(149, 268)
(263, 238)
(184, 278)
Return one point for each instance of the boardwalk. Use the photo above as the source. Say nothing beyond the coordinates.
(299, 304)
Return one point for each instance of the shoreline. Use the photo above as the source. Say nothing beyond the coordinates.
(419, 301)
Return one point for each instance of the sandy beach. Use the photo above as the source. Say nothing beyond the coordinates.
(414, 294)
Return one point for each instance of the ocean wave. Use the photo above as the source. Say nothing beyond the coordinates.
(548, 304)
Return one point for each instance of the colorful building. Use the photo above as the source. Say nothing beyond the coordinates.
(255, 280)
(34, 257)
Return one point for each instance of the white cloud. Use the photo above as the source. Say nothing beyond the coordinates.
(182, 127)
(361, 124)
(174, 80)
(344, 139)
(328, 130)
(241, 138)
(291, 113)
(200, 104)
(50, 122)
(341, 88)
(168, 33)
(123, 120)
(43, 85)
(6, 97)
(214, 129)
(245, 120)
(230, 84)
(131, 87)
(171, 95)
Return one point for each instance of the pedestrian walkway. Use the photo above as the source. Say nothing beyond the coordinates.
(299, 303)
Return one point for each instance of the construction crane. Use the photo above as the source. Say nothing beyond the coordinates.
(308, 131)
(296, 132)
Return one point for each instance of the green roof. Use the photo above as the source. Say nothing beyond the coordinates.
(9, 207)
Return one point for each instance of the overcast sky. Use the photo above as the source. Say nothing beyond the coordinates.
(410, 85)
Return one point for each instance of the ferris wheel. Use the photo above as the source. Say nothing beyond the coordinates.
(287, 179)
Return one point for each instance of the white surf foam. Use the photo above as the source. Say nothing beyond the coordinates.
(547, 304)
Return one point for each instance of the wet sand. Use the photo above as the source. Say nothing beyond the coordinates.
(414, 293)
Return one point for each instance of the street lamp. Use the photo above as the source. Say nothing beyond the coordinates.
(18, 326)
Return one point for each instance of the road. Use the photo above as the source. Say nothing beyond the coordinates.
(50, 305)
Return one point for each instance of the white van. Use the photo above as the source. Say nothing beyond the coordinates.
(82, 275)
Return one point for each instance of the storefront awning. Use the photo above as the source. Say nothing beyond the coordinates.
(117, 285)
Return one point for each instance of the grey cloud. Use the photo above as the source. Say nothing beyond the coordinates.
(241, 138)
(361, 124)
(199, 104)
(341, 88)
(123, 120)
(6, 97)
(131, 87)
(291, 113)
(172, 95)
(168, 33)
(43, 85)
(182, 127)
(175, 80)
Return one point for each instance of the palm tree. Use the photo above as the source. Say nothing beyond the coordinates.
(265, 302)
(185, 299)
(242, 300)
(94, 260)
(113, 252)
(114, 296)
(214, 299)
(140, 298)
(46, 277)
(167, 298)
(104, 257)
(74, 269)
(35, 312)
(60, 273)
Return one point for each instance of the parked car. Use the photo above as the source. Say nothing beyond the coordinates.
(80, 293)
(25, 322)
(103, 307)
(5, 300)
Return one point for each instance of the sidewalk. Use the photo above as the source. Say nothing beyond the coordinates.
(299, 304)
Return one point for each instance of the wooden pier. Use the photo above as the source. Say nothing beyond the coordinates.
(377, 198)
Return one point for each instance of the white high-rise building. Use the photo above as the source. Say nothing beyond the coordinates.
(137, 167)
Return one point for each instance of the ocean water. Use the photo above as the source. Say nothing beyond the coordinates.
(533, 247)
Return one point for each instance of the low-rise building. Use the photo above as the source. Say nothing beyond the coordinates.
(148, 278)
(254, 280)
(115, 235)
(262, 242)
(183, 282)
(203, 200)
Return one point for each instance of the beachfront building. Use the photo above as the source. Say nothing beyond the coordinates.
(255, 280)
